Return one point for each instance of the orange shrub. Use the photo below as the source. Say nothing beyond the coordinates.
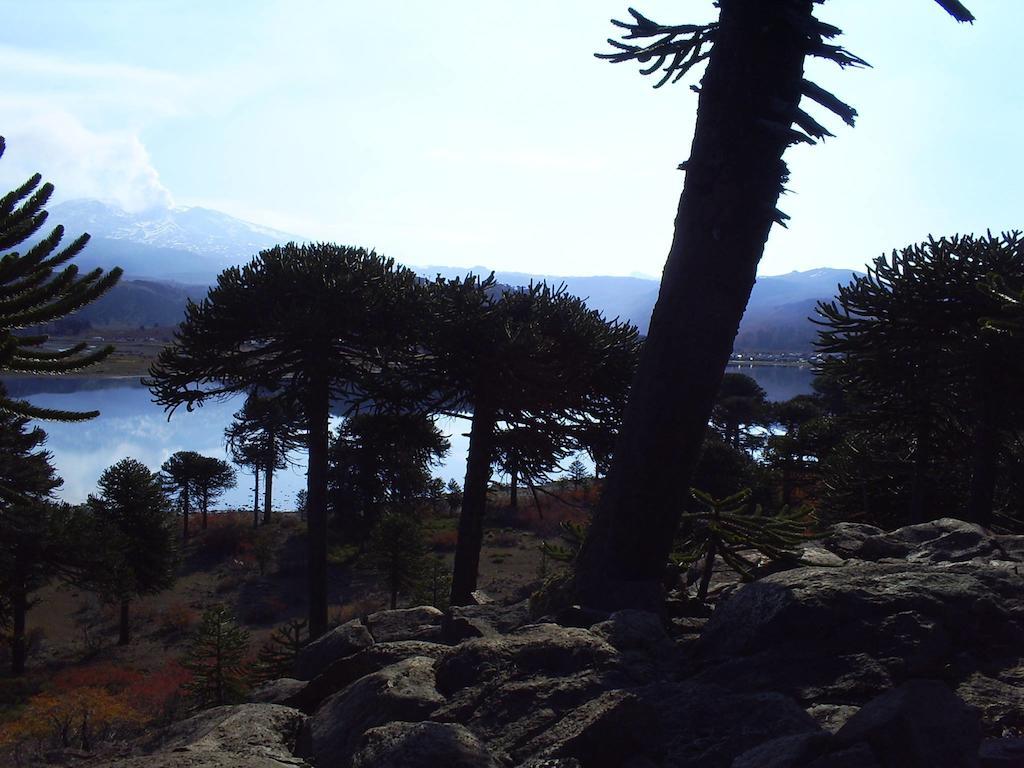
(444, 541)
(178, 617)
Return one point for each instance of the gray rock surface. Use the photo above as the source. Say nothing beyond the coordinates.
(276, 691)
(422, 745)
(421, 623)
(920, 724)
(342, 641)
(347, 670)
(404, 691)
(244, 736)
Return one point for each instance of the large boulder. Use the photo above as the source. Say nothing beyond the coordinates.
(342, 641)
(347, 670)
(946, 540)
(420, 623)
(842, 635)
(532, 650)
(487, 620)
(920, 724)
(276, 691)
(422, 745)
(403, 691)
(244, 736)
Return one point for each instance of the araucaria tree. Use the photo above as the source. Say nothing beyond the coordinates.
(213, 478)
(261, 436)
(534, 359)
(37, 286)
(749, 112)
(318, 322)
(397, 552)
(132, 541)
(179, 476)
(217, 659)
(908, 345)
(32, 527)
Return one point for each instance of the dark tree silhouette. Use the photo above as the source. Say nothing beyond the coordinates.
(38, 286)
(132, 539)
(908, 345)
(265, 427)
(32, 528)
(750, 101)
(397, 552)
(534, 359)
(218, 660)
(378, 461)
(212, 479)
(179, 475)
(739, 405)
(318, 321)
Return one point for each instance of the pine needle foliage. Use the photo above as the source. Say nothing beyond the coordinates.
(729, 527)
(37, 286)
(278, 655)
(573, 533)
(217, 659)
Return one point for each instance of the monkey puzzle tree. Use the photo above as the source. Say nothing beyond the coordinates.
(179, 474)
(38, 286)
(131, 538)
(380, 460)
(750, 101)
(908, 345)
(318, 321)
(212, 479)
(32, 540)
(264, 430)
(739, 405)
(534, 359)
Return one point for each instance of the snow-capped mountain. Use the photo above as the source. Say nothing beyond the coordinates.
(197, 230)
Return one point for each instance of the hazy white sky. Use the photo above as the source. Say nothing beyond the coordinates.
(481, 132)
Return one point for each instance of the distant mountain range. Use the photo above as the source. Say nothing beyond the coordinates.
(173, 254)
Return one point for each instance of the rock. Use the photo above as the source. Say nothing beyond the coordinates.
(244, 736)
(422, 745)
(633, 631)
(346, 671)
(1002, 753)
(552, 762)
(342, 641)
(784, 752)
(707, 727)
(421, 623)
(941, 541)
(857, 756)
(846, 539)
(276, 691)
(847, 632)
(920, 724)
(606, 731)
(403, 691)
(532, 650)
(1011, 548)
(1001, 705)
(831, 717)
(466, 621)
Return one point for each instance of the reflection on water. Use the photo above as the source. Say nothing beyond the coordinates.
(130, 424)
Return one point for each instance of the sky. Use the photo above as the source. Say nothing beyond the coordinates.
(465, 133)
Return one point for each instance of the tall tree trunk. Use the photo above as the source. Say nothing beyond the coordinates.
(19, 648)
(206, 505)
(185, 511)
(256, 496)
(513, 485)
(268, 482)
(984, 462)
(317, 409)
(474, 504)
(734, 176)
(125, 634)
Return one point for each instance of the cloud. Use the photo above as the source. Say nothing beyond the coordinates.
(110, 165)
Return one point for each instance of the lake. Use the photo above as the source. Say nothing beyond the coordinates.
(131, 425)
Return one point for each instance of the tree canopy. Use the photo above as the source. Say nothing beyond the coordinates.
(317, 324)
(39, 285)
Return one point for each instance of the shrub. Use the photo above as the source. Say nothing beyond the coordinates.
(178, 617)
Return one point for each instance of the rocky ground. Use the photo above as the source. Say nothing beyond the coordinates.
(892, 650)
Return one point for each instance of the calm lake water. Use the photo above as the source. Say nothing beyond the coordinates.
(131, 425)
